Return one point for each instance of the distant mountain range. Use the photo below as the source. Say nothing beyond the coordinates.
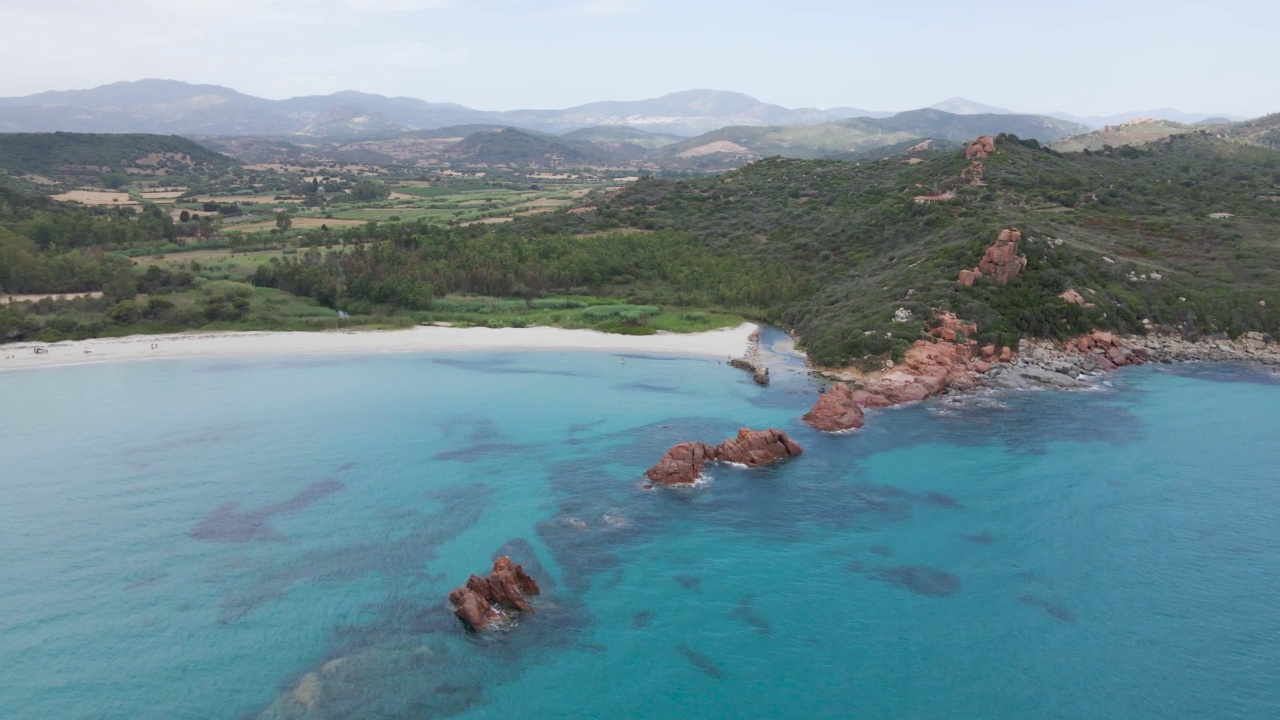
(174, 107)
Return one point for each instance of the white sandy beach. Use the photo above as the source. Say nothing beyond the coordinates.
(730, 342)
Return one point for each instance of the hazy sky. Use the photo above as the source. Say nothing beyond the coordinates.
(1081, 56)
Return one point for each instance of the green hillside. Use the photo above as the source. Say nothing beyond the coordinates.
(68, 156)
(615, 135)
(732, 146)
(1130, 133)
(508, 146)
(1180, 234)
(1119, 217)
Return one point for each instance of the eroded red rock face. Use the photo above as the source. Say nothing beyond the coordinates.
(683, 463)
(835, 410)
(507, 584)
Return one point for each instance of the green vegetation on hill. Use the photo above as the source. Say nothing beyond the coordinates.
(74, 155)
(517, 147)
(1180, 233)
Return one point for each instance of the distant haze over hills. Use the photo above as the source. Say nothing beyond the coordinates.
(174, 107)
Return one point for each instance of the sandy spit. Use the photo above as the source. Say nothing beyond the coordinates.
(730, 342)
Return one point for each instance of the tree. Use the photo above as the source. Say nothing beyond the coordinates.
(184, 216)
(284, 221)
(370, 191)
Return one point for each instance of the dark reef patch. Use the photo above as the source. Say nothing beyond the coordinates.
(919, 579)
(650, 388)
(941, 500)
(1223, 372)
(501, 366)
(982, 538)
(687, 581)
(457, 508)
(881, 550)
(225, 524)
(577, 428)
(700, 661)
(474, 453)
(642, 619)
(745, 612)
(1052, 609)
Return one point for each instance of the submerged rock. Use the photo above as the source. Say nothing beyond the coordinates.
(683, 464)
(507, 585)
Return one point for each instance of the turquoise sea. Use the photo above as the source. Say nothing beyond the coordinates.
(275, 538)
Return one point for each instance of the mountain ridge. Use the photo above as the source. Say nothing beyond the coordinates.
(181, 108)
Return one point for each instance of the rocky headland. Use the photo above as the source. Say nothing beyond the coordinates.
(683, 463)
(952, 364)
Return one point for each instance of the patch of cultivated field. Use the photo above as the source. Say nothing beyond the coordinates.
(489, 221)
(176, 214)
(95, 197)
(6, 299)
(244, 199)
(161, 194)
(299, 223)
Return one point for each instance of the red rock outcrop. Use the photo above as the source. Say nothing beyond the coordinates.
(754, 448)
(952, 327)
(1075, 298)
(683, 463)
(835, 410)
(980, 148)
(1112, 352)
(1001, 261)
(927, 369)
(507, 585)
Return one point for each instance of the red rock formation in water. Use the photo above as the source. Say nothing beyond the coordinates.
(683, 463)
(980, 148)
(507, 585)
(835, 410)
(1001, 261)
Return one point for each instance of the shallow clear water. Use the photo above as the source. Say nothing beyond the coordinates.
(192, 539)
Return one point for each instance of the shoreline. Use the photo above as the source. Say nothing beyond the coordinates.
(720, 344)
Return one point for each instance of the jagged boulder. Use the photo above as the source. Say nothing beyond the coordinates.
(1002, 261)
(507, 585)
(754, 448)
(683, 464)
(1112, 352)
(1075, 298)
(835, 410)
